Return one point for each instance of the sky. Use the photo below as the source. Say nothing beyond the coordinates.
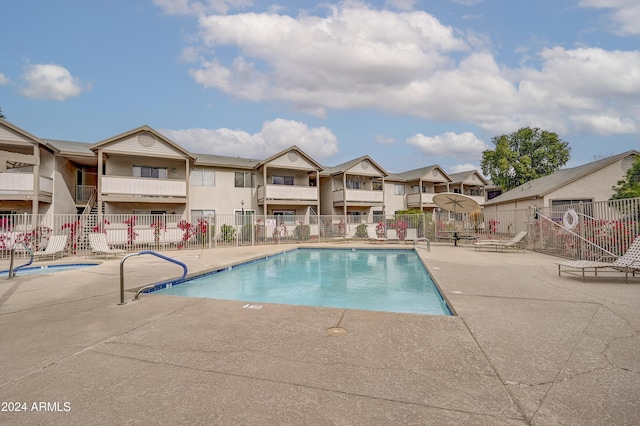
(411, 83)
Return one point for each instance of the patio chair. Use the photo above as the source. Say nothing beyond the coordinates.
(99, 245)
(392, 236)
(628, 262)
(347, 237)
(57, 245)
(514, 243)
(373, 235)
(412, 236)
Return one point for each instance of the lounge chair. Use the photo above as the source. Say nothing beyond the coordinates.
(628, 262)
(373, 235)
(99, 245)
(57, 245)
(412, 236)
(514, 243)
(392, 236)
(349, 236)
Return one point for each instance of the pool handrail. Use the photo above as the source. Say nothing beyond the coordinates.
(177, 262)
(12, 271)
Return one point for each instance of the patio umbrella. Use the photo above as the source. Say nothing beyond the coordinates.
(456, 203)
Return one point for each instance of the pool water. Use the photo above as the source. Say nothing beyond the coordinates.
(47, 269)
(375, 280)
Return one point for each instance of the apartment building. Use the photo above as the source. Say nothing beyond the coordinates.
(143, 172)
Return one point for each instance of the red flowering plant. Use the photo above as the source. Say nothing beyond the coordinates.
(74, 231)
(188, 231)
(342, 227)
(493, 226)
(131, 233)
(158, 227)
(380, 230)
(100, 226)
(401, 228)
(259, 228)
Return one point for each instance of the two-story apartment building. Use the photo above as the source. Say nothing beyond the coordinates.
(142, 171)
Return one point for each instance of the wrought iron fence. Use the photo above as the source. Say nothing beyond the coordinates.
(580, 231)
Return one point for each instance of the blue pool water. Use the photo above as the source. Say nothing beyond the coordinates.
(47, 269)
(375, 280)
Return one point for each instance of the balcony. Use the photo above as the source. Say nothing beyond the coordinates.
(116, 188)
(289, 194)
(19, 186)
(357, 197)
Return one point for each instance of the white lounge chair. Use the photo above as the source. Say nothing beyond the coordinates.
(56, 247)
(373, 235)
(392, 236)
(412, 236)
(349, 236)
(628, 262)
(514, 243)
(99, 245)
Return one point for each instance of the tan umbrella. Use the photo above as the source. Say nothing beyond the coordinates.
(456, 203)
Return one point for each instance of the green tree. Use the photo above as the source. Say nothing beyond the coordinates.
(629, 187)
(524, 155)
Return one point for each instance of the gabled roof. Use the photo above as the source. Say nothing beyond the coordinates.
(71, 148)
(342, 168)
(466, 175)
(223, 161)
(416, 174)
(547, 184)
(140, 129)
(292, 148)
(26, 134)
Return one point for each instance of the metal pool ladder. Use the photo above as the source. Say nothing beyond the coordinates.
(12, 271)
(177, 262)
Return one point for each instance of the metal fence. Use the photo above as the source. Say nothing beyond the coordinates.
(581, 231)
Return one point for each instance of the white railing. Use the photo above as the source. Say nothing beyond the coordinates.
(358, 196)
(16, 182)
(288, 192)
(11, 183)
(610, 226)
(144, 186)
(84, 193)
(419, 199)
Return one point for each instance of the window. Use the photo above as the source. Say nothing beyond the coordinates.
(354, 217)
(244, 219)
(150, 172)
(285, 216)
(282, 180)
(457, 191)
(376, 185)
(398, 189)
(202, 177)
(245, 180)
(195, 214)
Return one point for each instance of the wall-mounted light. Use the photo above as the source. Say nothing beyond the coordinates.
(173, 170)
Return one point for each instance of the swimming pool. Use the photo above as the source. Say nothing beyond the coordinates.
(48, 269)
(366, 279)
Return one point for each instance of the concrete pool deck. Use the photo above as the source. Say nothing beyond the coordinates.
(526, 347)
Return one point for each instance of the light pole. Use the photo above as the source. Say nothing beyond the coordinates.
(242, 203)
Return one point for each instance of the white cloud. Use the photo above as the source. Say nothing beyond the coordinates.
(195, 7)
(624, 15)
(51, 81)
(385, 140)
(408, 63)
(463, 146)
(466, 2)
(464, 168)
(275, 136)
(402, 4)
(4, 79)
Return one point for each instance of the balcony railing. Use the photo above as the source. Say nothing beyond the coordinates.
(288, 193)
(144, 187)
(12, 183)
(84, 193)
(363, 196)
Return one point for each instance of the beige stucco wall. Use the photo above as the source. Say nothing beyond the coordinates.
(223, 197)
(64, 184)
(394, 202)
(120, 165)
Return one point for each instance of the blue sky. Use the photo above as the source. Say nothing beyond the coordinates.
(410, 83)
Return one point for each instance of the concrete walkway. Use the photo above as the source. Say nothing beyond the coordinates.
(526, 347)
